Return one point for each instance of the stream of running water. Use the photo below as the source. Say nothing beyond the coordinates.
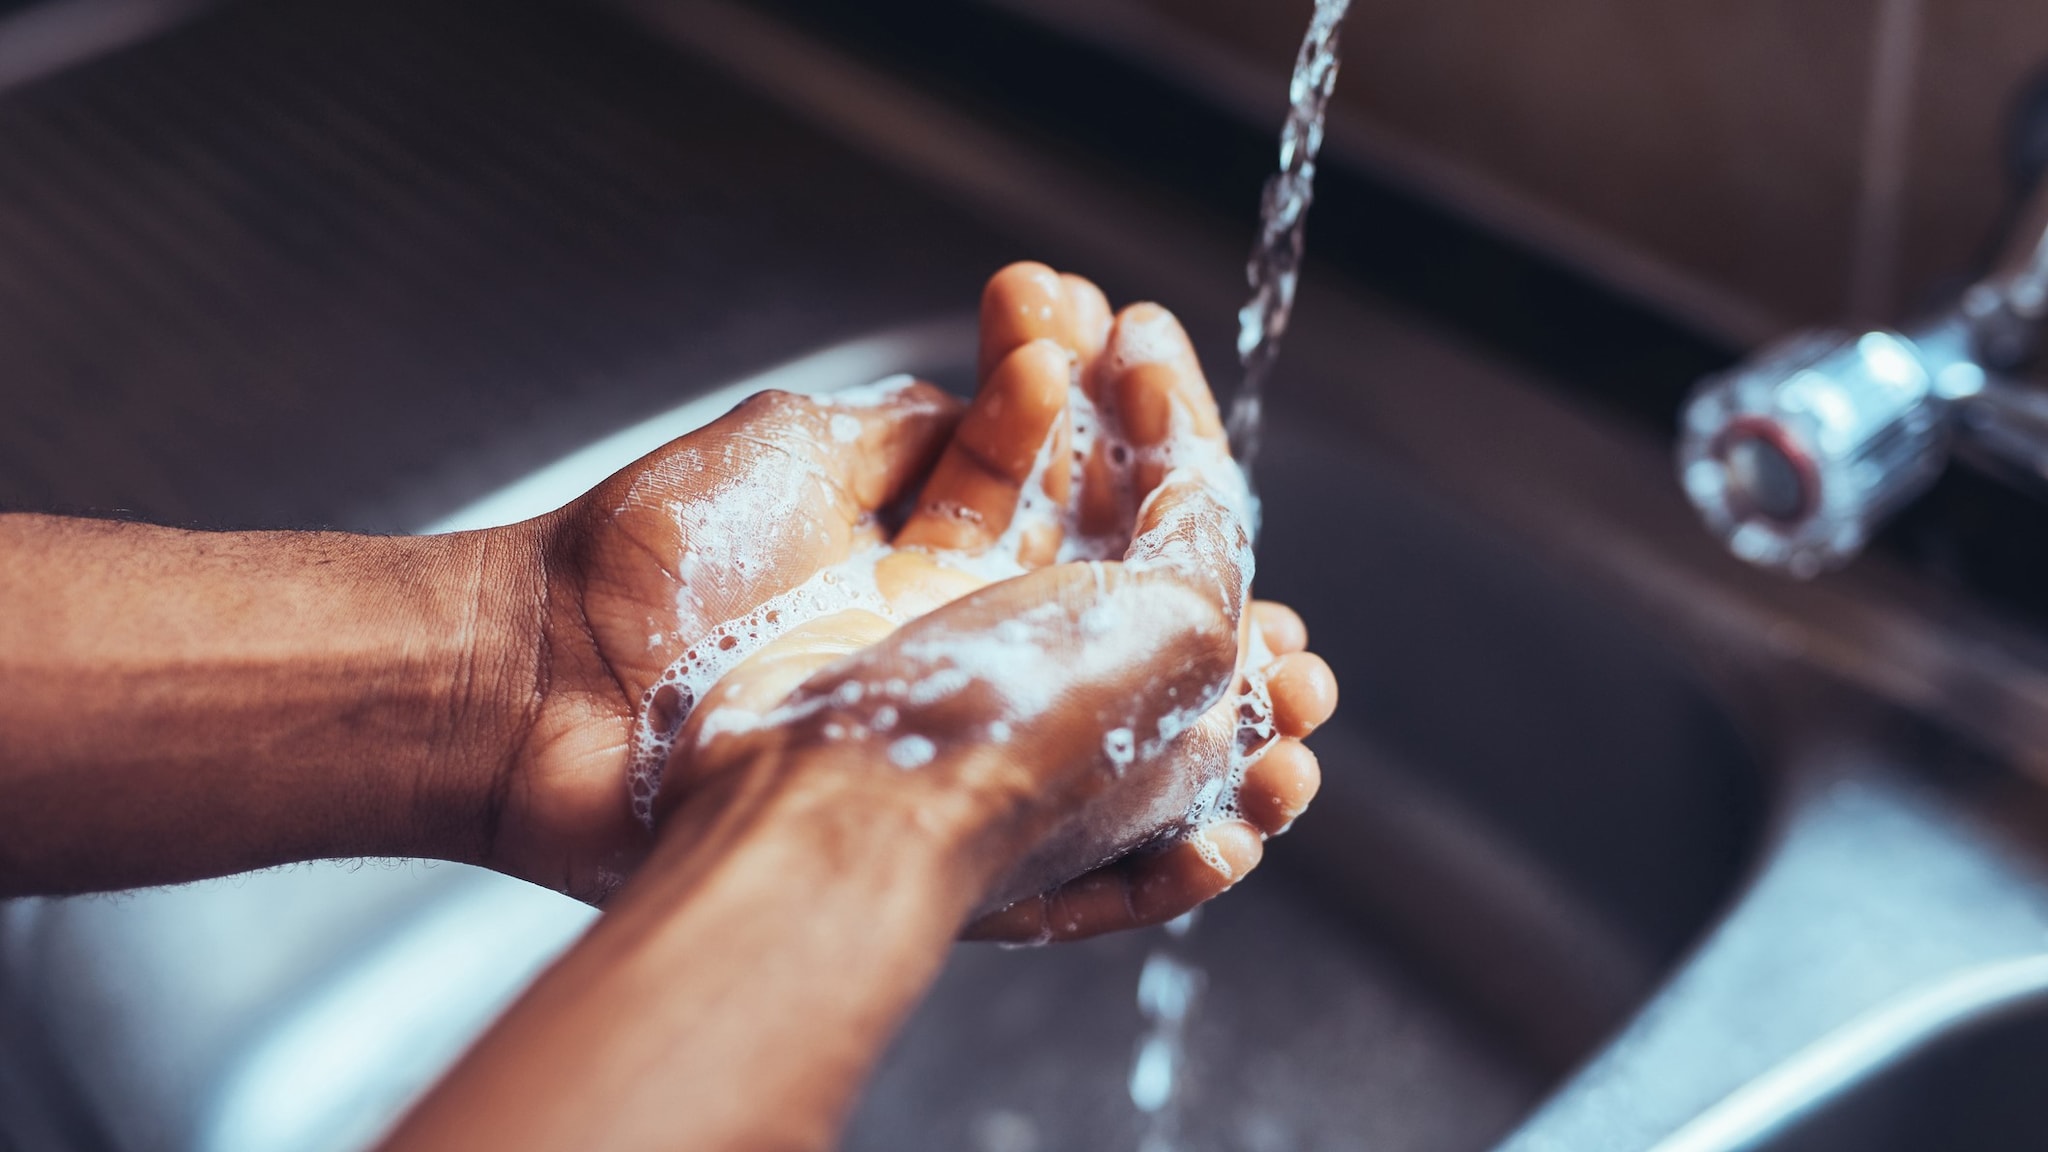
(1275, 263)
(1170, 984)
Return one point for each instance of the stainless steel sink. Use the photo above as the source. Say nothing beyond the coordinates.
(1622, 845)
(1487, 798)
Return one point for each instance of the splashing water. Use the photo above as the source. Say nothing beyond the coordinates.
(1275, 262)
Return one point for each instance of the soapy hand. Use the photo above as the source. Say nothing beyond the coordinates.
(699, 532)
(1055, 644)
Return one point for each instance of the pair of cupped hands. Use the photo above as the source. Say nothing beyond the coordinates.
(1085, 723)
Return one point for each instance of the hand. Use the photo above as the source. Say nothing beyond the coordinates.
(994, 505)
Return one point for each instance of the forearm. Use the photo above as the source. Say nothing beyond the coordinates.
(182, 704)
(739, 990)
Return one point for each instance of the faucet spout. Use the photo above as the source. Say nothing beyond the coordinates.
(1797, 455)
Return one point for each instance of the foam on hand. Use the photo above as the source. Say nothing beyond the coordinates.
(1019, 664)
(847, 585)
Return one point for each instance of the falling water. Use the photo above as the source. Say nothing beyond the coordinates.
(1170, 984)
(1275, 262)
(1168, 987)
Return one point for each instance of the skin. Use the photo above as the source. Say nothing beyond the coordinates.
(177, 705)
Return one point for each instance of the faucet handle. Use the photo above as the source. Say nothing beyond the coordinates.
(1794, 457)
(2007, 309)
(2008, 305)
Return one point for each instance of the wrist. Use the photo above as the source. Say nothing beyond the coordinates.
(304, 695)
(484, 625)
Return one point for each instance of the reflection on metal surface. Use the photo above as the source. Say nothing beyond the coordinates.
(1855, 1051)
(1883, 914)
(335, 1067)
(297, 1008)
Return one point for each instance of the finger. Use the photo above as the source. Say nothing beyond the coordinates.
(1024, 302)
(1278, 786)
(1152, 373)
(1004, 457)
(1304, 692)
(1149, 888)
(877, 450)
(916, 583)
(1091, 322)
(1149, 384)
(1282, 627)
(1084, 906)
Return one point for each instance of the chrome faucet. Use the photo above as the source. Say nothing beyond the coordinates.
(1795, 456)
